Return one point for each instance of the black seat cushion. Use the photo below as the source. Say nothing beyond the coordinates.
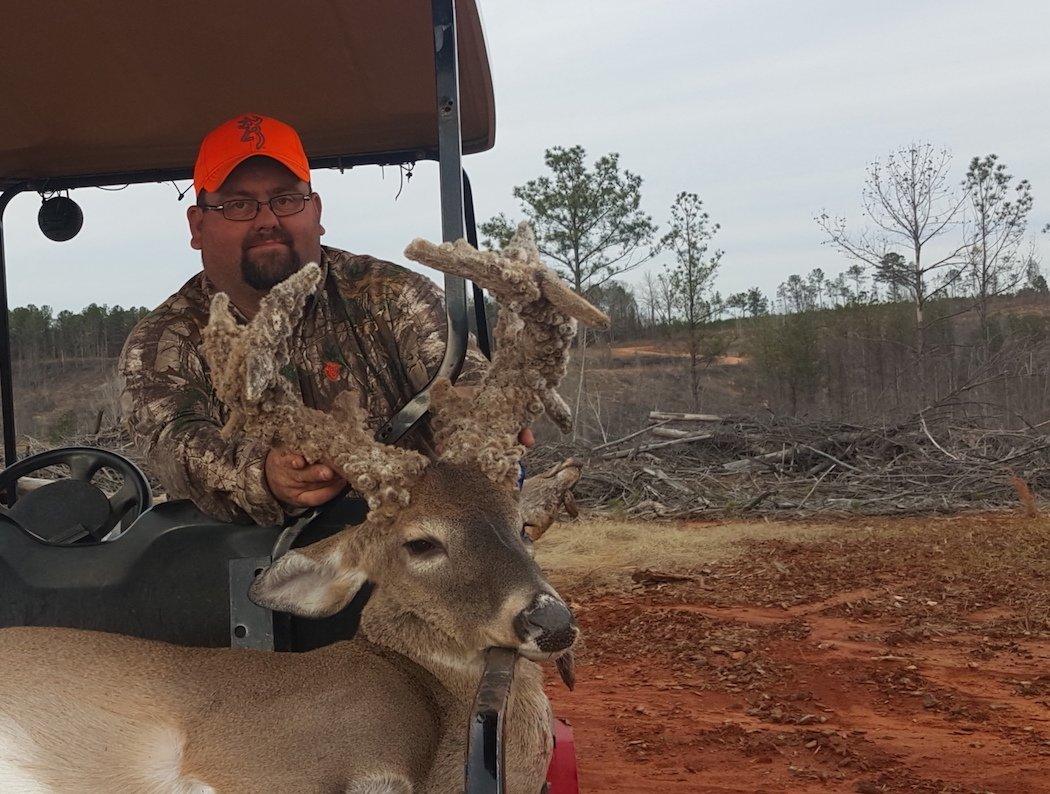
(62, 511)
(165, 578)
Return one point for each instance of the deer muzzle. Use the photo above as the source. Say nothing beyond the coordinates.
(547, 623)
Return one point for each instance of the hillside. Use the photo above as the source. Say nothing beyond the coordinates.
(57, 400)
(847, 364)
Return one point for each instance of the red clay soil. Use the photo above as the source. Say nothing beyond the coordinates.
(914, 663)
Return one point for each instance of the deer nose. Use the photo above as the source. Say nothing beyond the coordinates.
(548, 623)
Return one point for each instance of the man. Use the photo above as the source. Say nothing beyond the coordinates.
(372, 327)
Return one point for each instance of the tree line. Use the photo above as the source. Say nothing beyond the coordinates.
(913, 317)
(38, 334)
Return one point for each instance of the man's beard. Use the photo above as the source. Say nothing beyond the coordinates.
(270, 267)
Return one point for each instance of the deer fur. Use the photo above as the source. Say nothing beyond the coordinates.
(443, 542)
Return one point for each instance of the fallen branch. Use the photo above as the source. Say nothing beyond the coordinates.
(829, 457)
(651, 577)
(926, 430)
(657, 445)
(757, 500)
(758, 460)
(667, 417)
(670, 432)
(628, 437)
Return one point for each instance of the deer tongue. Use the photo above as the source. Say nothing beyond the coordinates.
(566, 664)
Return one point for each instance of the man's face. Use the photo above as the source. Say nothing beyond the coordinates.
(267, 249)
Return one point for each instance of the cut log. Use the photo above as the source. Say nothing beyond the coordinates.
(624, 453)
(661, 475)
(670, 432)
(663, 416)
(746, 464)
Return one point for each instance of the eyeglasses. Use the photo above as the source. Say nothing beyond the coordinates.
(246, 209)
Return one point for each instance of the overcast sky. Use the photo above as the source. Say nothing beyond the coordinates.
(769, 110)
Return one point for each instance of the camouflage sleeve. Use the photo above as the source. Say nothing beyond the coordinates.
(175, 419)
(422, 321)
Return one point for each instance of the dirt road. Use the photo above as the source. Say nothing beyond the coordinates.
(907, 655)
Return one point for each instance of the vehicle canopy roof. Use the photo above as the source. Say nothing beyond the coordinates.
(93, 98)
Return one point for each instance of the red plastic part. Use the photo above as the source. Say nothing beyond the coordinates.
(561, 774)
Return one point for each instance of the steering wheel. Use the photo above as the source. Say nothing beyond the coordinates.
(74, 509)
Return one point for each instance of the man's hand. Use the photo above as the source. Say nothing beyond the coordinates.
(297, 484)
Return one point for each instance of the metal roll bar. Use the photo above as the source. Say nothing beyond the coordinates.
(7, 389)
(450, 178)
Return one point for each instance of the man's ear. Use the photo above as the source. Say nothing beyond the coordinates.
(317, 202)
(195, 216)
(313, 582)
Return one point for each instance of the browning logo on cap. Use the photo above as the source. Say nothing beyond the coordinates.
(234, 141)
(252, 126)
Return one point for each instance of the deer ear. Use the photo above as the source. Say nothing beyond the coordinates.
(309, 583)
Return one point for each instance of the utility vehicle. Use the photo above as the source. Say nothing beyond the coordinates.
(122, 94)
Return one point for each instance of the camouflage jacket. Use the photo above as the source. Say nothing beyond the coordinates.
(373, 327)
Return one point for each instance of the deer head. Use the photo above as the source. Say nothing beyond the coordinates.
(444, 539)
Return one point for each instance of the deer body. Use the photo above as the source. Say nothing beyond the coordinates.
(111, 713)
(444, 542)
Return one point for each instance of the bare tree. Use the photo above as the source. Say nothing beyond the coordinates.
(620, 304)
(667, 298)
(911, 202)
(692, 277)
(995, 264)
(650, 297)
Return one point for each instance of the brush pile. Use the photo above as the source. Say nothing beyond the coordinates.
(699, 465)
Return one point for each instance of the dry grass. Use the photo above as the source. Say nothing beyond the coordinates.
(931, 571)
(604, 553)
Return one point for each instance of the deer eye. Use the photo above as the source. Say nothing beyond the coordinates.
(423, 546)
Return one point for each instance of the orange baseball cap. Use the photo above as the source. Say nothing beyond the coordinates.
(250, 135)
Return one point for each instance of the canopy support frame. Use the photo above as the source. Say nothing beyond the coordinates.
(450, 179)
(481, 317)
(7, 389)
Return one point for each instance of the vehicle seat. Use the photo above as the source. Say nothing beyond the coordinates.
(64, 507)
(168, 577)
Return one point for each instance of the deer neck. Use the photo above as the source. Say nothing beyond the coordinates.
(528, 719)
(457, 669)
(402, 631)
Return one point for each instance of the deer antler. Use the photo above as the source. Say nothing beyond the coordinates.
(246, 363)
(537, 324)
